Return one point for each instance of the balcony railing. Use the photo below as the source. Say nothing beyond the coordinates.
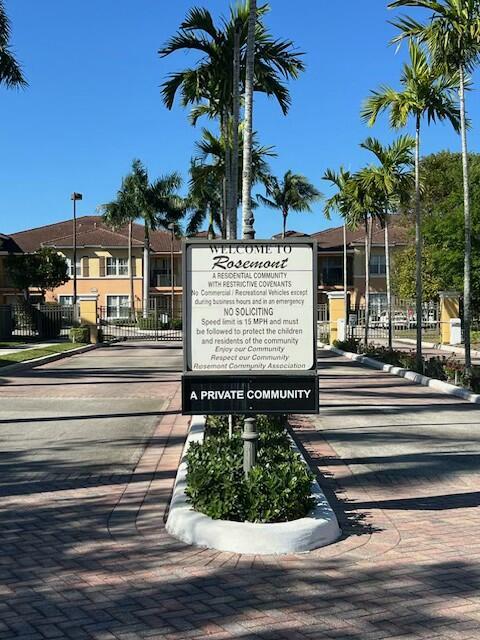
(164, 279)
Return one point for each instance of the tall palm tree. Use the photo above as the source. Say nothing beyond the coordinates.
(157, 204)
(293, 193)
(452, 34)
(204, 200)
(426, 92)
(339, 202)
(11, 74)
(394, 180)
(212, 87)
(247, 214)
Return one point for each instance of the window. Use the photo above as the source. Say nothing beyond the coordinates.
(378, 265)
(70, 267)
(332, 270)
(118, 306)
(65, 300)
(117, 266)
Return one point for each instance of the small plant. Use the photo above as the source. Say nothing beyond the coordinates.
(277, 489)
(352, 345)
(80, 334)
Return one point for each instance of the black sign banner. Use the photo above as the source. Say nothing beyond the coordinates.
(249, 395)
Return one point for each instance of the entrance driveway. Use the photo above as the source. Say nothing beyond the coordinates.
(84, 551)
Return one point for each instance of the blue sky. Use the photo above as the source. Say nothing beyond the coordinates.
(93, 101)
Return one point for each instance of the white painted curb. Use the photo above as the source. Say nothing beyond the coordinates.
(317, 529)
(438, 385)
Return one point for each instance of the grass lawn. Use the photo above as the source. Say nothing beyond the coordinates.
(12, 344)
(30, 354)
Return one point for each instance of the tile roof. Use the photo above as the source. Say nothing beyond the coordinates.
(91, 231)
(330, 239)
(8, 245)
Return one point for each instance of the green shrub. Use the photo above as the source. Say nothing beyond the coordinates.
(80, 334)
(150, 322)
(352, 345)
(277, 489)
(176, 323)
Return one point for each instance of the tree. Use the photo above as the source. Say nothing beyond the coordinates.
(247, 214)
(403, 274)
(339, 202)
(213, 86)
(157, 204)
(45, 269)
(394, 181)
(11, 74)
(293, 193)
(204, 200)
(426, 93)
(452, 34)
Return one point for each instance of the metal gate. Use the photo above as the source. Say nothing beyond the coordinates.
(138, 324)
(404, 321)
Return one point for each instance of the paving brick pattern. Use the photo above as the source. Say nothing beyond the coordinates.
(90, 558)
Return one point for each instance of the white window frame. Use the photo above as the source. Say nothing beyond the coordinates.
(378, 265)
(70, 267)
(115, 265)
(62, 297)
(118, 307)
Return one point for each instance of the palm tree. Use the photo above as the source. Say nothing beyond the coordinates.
(212, 86)
(247, 214)
(395, 183)
(204, 200)
(10, 71)
(293, 193)
(210, 163)
(427, 92)
(452, 34)
(339, 202)
(157, 204)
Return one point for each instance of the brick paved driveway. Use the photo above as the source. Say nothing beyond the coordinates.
(89, 558)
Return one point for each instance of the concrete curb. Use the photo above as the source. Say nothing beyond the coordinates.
(438, 385)
(36, 362)
(440, 347)
(318, 529)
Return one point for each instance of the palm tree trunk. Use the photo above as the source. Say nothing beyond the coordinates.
(249, 434)
(387, 277)
(130, 269)
(247, 215)
(468, 231)
(418, 250)
(146, 271)
(368, 229)
(345, 278)
(235, 124)
(284, 231)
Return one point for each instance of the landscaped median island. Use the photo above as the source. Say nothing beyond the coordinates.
(278, 508)
(445, 373)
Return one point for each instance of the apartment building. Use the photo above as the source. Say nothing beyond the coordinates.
(102, 265)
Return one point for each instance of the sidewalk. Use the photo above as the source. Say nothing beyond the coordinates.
(91, 559)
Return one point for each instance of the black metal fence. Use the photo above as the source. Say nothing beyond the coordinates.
(24, 321)
(137, 324)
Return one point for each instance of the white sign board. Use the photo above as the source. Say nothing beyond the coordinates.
(250, 306)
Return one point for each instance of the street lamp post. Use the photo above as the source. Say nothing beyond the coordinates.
(171, 228)
(74, 197)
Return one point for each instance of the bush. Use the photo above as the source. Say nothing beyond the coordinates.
(176, 323)
(277, 489)
(150, 322)
(352, 345)
(80, 334)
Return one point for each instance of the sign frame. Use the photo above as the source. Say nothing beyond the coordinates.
(186, 306)
(250, 411)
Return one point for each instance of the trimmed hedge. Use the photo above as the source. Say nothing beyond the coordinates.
(278, 488)
(80, 334)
